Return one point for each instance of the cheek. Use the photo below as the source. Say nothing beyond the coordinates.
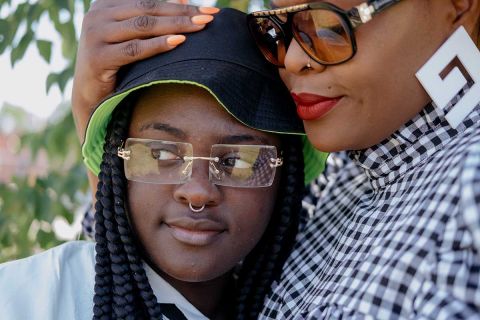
(286, 78)
(144, 203)
(251, 218)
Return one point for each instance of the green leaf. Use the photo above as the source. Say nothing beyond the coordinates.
(69, 39)
(45, 49)
(35, 11)
(51, 80)
(62, 4)
(4, 30)
(86, 5)
(18, 52)
(61, 79)
(8, 29)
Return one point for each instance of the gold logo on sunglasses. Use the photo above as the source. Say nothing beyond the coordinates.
(280, 11)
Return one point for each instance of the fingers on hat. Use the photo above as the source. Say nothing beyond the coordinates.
(142, 27)
(128, 9)
(139, 49)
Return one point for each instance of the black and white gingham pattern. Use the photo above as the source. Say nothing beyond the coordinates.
(88, 223)
(470, 197)
(395, 233)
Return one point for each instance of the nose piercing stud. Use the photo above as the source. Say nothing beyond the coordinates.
(196, 209)
(309, 66)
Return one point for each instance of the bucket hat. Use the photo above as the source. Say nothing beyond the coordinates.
(223, 60)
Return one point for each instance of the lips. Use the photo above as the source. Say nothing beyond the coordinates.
(192, 232)
(312, 106)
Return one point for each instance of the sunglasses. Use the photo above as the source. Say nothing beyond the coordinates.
(324, 31)
(168, 162)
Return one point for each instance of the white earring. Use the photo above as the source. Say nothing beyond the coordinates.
(442, 90)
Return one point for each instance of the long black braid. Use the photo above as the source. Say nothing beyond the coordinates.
(122, 290)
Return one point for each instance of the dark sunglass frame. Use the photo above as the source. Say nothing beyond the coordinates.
(352, 19)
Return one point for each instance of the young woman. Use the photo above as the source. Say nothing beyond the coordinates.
(195, 211)
(396, 229)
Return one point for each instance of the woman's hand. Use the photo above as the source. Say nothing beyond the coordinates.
(119, 32)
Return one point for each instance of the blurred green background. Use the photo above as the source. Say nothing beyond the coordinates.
(43, 182)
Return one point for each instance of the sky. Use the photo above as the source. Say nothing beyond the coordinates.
(24, 84)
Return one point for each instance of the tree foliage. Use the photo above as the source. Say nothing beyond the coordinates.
(30, 202)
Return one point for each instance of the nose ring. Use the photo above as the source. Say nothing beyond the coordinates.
(196, 209)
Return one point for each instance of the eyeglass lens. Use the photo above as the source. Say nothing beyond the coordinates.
(323, 34)
(154, 160)
(269, 38)
(243, 165)
(166, 162)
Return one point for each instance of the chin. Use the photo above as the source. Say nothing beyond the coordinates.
(326, 142)
(192, 272)
(337, 139)
(194, 276)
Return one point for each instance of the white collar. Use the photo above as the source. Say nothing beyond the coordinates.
(165, 293)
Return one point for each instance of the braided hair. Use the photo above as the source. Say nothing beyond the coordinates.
(122, 290)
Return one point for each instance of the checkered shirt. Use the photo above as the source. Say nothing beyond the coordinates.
(395, 232)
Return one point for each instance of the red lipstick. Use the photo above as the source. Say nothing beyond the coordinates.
(312, 106)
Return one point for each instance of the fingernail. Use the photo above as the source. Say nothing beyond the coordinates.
(174, 41)
(208, 10)
(202, 19)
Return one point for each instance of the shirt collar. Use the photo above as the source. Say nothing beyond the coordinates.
(165, 293)
(411, 144)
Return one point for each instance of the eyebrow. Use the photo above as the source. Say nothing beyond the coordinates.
(232, 139)
(241, 138)
(166, 128)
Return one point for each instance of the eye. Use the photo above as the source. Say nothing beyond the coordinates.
(332, 35)
(162, 154)
(235, 162)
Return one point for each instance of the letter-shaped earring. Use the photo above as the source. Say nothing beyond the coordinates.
(443, 89)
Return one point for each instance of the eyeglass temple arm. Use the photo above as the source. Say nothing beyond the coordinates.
(275, 162)
(124, 154)
(365, 11)
(380, 5)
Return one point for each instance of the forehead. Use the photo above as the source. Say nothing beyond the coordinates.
(179, 103)
(191, 109)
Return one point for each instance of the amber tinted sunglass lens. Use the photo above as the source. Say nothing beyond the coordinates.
(323, 34)
(269, 38)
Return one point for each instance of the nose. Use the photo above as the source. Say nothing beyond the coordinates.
(198, 190)
(297, 61)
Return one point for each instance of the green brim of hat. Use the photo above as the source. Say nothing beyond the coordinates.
(92, 149)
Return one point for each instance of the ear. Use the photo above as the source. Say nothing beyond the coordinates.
(467, 15)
